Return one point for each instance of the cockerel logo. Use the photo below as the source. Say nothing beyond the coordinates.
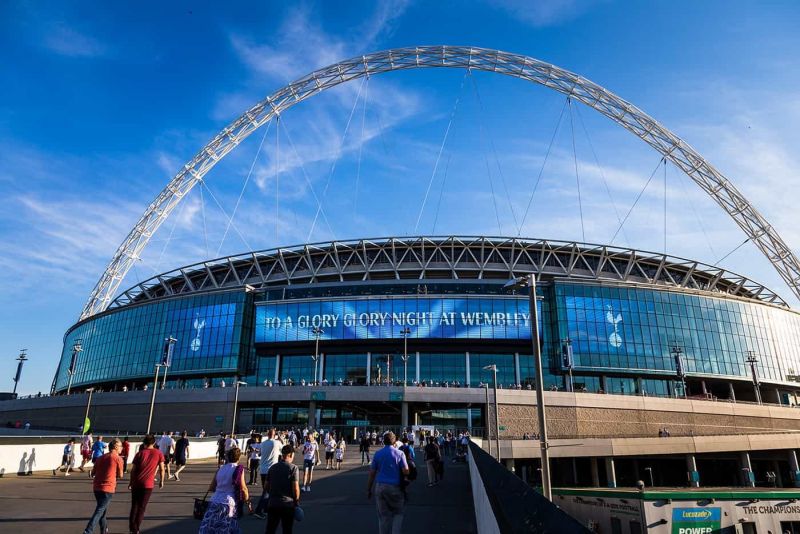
(198, 328)
(615, 340)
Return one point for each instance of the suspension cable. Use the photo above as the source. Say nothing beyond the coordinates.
(723, 258)
(361, 146)
(441, 149)
(308, 180)
(277, 177)
(639, 196)
(577, 175)
(224, 213)
(696, 214)
(335, 160)
(494, 150)
(203, 215)
(244, 186)
(600, 170)
(441, 193)
(665, 206)
(541, 171)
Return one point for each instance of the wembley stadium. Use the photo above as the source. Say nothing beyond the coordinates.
(435, 312)
(416, 331)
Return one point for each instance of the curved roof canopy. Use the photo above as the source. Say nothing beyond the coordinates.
(431, 258)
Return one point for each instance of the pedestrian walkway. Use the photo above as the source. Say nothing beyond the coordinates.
(44, 504)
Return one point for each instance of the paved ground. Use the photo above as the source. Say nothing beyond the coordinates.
(43, 504)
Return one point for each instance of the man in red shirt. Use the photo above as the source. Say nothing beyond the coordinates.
(143, 471)
(107, 469)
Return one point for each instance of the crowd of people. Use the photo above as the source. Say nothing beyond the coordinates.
(265, 460)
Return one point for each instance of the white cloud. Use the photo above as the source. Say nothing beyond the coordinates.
(67, 41)
(541, 13)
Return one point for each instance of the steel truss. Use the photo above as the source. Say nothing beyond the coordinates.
(443, 258)
(576, 87)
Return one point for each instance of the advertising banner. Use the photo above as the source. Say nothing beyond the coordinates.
(696, 520)
(470, 318)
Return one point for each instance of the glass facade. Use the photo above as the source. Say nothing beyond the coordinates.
(634, 330)
(622, 339)
(346, 368)
(212, 337)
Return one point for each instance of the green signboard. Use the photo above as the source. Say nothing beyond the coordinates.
(398, 397)
(696, 520)
(317, 395)
(87, 424)
(502, 428)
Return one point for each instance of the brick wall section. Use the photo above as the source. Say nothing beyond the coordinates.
(580, 422)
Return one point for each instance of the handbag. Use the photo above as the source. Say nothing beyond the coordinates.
(200, 507)
(240, 501)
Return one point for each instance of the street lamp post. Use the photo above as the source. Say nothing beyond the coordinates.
(153, 399)
(486, 422)
(235, 405)
(752, 360)
(86, 415)
(22, 358)
(166, 359)
(317, 331)
(530, 282)
(650, 472)
(405, 332)
(77, 348)
(679, 369)
(493, 369)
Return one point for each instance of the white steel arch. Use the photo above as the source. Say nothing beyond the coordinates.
(576, 87)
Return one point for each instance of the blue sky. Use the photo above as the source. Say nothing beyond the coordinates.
(102, 104)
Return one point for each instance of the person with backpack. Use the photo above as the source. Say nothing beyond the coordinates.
(433, 459)
(408, 449)
(283, 486)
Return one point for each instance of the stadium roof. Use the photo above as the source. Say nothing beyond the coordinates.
(452, 257)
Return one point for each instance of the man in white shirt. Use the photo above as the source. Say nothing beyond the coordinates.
(270, 455)
(166, 445)
(230, 443)
(330, 446)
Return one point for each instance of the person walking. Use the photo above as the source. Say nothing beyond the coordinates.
(107, 469)
(433, 456)
(270, 455)
(86, 450)
(363, 448)
(166, 445)
(143, 472)
(67, 458)
(254, 457)
(229, 495)
(221, 448)
(386, 473)
(339, 453)
(126, 451)
(330, 447)
(98, 450)
(310, 459)
(181, 455)
(283, 486)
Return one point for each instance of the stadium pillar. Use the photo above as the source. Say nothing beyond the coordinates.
(794, 468)
(417, 360)
(369, 372)
(732, 391)
(693, 475)
(611, 474)
(404, 414)
(595, 472)
(466, 363)
(312, 414)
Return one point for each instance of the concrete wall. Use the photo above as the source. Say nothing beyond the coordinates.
(30, 455)
(570, 415)
(484, 515)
